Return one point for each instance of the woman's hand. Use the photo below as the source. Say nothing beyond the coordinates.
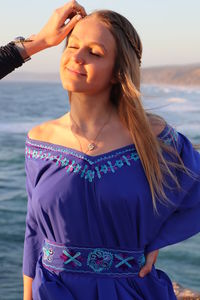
(56, 30)
(150, 260)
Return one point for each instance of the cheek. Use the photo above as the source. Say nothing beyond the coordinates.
(66, 55)
(102, 71)
(64, 59)
(63, 62)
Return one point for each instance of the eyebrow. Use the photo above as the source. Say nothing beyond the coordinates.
(91, 43)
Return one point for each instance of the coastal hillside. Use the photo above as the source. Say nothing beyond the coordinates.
(179, 75)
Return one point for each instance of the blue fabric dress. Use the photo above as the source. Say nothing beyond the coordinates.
(104, 201)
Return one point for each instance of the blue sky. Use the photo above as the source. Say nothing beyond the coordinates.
(169, 29)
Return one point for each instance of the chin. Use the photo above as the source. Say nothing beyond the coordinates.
(72, 86)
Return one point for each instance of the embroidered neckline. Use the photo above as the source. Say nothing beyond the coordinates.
(90, 158)
(43, 150)
(75, 152)
(90, 170)
(95, 166)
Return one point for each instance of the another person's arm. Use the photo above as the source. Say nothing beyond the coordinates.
(53, 33)
(10, 58)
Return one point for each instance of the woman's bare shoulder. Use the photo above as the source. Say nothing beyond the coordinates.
(158, 124)
(47, 131)
(42, 131)
(158, 128)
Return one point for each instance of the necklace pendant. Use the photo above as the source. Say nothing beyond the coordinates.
(91, 146)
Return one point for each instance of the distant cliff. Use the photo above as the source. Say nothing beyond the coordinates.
(182, 75)
(186, 75)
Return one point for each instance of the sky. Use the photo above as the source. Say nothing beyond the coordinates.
(169, 29)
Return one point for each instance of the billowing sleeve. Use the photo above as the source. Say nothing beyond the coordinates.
(184, 220)
(33, 237)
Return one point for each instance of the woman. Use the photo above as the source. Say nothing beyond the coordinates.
(108, 183)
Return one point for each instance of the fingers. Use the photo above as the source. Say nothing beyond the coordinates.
(69, 26)
(70, 10)
(32, 36)
(78, 8)
(150, 260)
(55, 30)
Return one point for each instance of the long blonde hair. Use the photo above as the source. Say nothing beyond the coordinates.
(126, 96)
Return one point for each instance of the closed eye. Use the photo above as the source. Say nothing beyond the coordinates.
(90, 51)
(95, 54)
(72, 47)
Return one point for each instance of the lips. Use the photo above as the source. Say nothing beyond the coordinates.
(75, 71)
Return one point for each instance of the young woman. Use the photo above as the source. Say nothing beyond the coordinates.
(108, 184)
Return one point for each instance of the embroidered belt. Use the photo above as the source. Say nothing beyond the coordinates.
(58, 257)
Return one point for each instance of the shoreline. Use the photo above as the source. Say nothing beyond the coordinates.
(185, 293)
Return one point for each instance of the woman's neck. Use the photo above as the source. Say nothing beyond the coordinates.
(91, 113)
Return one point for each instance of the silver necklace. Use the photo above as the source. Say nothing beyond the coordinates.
(92, 145)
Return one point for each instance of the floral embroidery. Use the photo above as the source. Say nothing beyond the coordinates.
(172, 136)
(100, 260)
(94, 167)
(61, 159)
(86, 172)
(92, 260)
(48, 253)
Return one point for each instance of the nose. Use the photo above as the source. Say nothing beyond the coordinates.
(78, 57)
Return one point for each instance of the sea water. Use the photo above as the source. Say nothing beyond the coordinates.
(24, 105)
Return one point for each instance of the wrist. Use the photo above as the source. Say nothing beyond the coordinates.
(34, 46)
(22, 51)
(30, 46)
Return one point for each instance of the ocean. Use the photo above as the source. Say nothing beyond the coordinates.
(26, 104)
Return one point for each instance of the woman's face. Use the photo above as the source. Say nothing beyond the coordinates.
(88, 60)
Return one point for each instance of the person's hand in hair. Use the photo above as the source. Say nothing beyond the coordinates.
(60, 24)
(56, 29)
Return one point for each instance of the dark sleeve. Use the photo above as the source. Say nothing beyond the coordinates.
(10, 59)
